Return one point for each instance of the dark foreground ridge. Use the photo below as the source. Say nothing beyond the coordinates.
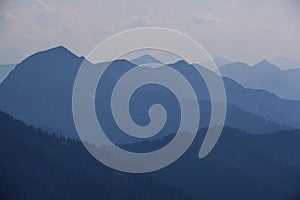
(37, 165)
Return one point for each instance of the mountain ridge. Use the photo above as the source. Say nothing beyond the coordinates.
(38, 165)
(39, 92)
(267, 76)
(241, 166)
(5, 70)
(146, 58)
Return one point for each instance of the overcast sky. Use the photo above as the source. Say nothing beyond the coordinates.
(246, 31)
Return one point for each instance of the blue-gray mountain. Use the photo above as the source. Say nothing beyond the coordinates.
(35, 165)
(39, 92)
(219, 61)
(285, 63)
(4, 71)
(265, 75)
(144, 59)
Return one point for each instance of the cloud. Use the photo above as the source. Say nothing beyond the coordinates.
(3, 6)
(53, 17)
(203, 19)
(139, 21)
(240, 30)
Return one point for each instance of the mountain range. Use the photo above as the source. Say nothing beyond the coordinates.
(286, 63)
(256, 157)
(39, 92)
(219, 61)
(144, 59)
(38, 165)
(267, 76)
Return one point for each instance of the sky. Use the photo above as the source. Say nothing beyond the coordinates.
(247, 31)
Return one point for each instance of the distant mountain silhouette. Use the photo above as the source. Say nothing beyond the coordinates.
(285, 63)
(265, 75)
(35, 165)
(4, 70)
(39, 92)
(219, 61)
(259, 102)
(144, 59)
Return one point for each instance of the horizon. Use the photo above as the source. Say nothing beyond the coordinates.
(157, 56)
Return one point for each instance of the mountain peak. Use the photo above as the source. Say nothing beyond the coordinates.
(60, 53)
(58, 50)
(120, 62)
(144, 59)
(236, 65)
(220, 61)
(181, 62)
(265, 64)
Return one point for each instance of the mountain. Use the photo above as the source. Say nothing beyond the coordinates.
(144, 59)
(286, 63)
(4, 71)
(259, 102)
(241, 166)
(265, 75)
(39, 89)
(35, 165)
(39, 92)
(219, 61)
